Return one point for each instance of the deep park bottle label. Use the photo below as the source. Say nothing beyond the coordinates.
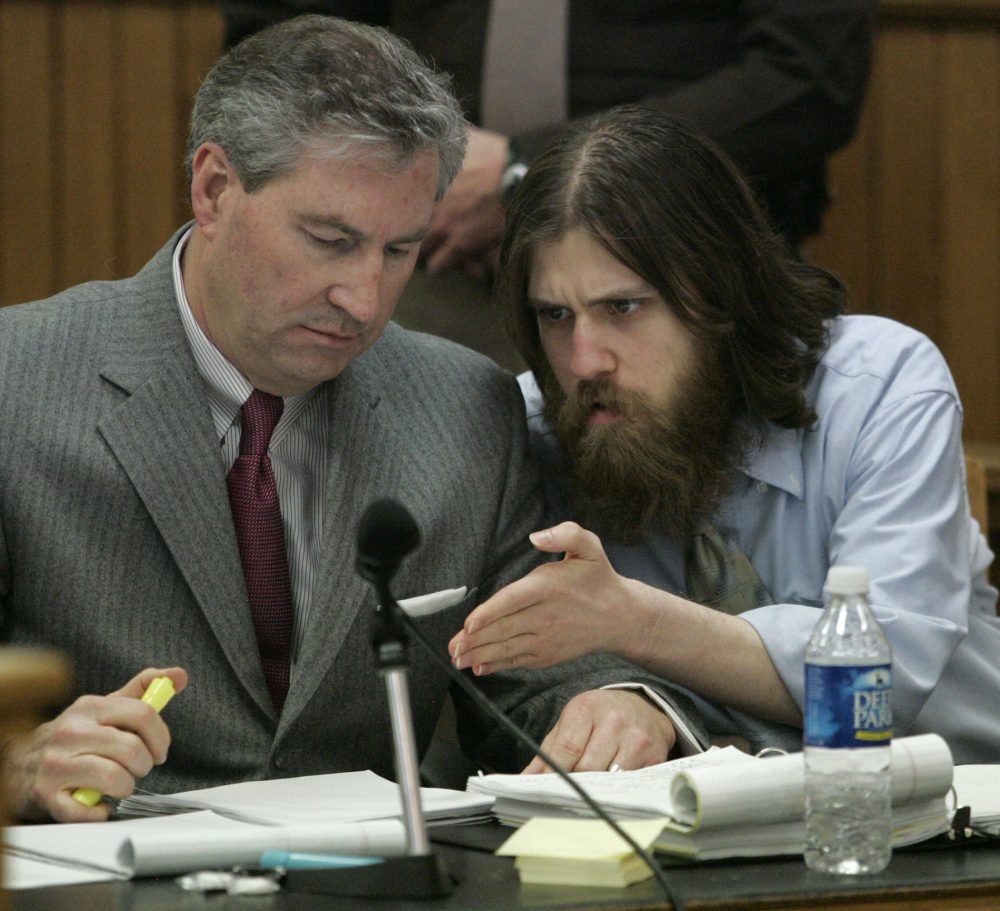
(848, 706)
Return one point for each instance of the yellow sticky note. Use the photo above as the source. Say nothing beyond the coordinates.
(581, 852)
(579, 838)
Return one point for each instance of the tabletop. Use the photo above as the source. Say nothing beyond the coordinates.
(964, 877)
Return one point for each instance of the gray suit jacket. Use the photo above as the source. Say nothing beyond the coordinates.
(117, 543)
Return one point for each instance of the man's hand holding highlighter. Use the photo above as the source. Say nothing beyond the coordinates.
(99, 745)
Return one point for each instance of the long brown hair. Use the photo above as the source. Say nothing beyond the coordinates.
(667, 203)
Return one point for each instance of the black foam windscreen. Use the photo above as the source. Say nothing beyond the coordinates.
(386, 533)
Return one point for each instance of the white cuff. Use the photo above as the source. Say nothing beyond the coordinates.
(687, 744)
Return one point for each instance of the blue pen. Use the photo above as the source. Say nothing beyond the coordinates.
(294, 860)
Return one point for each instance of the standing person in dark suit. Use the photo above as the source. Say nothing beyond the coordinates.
(187, 454)
(778, 84)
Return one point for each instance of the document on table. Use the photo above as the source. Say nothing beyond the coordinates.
(637, 794)
(717, 788)
(59, 854)
(911, 823)
(978, 787)
(339, 797)
(724, 803)
(346, 813)
(773, 790)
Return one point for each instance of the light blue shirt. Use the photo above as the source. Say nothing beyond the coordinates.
(879, 482)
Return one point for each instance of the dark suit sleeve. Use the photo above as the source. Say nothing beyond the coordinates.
(796, 89)
(789, 97)
(534, 699)
(796, 86)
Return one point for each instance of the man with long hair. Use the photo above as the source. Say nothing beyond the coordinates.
(714, 437)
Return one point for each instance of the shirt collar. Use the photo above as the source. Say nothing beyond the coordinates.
(777, 460)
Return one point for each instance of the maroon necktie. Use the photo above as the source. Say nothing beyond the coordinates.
(253, 496)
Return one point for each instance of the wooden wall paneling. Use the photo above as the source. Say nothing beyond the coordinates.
(970, 222)
(201, 37)
(28, 62)
(90, 155)
(907, 190)
(151, 162)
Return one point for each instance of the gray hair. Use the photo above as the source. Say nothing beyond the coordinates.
(329, 87)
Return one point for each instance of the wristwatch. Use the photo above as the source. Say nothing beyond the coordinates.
(513, 174)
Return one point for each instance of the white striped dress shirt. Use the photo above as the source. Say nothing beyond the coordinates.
(298, 453)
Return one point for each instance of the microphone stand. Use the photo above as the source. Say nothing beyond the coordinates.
(390, 641)
(420, 874)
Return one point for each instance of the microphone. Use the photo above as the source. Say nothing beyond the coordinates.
(386, 534)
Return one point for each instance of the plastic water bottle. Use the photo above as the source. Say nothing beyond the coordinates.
(848, 733)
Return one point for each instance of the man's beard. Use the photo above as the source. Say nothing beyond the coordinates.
(651, 471)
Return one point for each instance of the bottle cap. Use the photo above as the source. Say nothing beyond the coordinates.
(847, 580)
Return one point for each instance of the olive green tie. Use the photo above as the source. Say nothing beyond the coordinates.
(719, 575)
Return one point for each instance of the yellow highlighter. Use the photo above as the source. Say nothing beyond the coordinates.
(157, 694)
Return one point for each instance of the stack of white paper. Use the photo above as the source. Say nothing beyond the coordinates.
(978, 787)
(348, 813)
(643, 793)
(340, 797)
(725, 803)
(88, 852)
